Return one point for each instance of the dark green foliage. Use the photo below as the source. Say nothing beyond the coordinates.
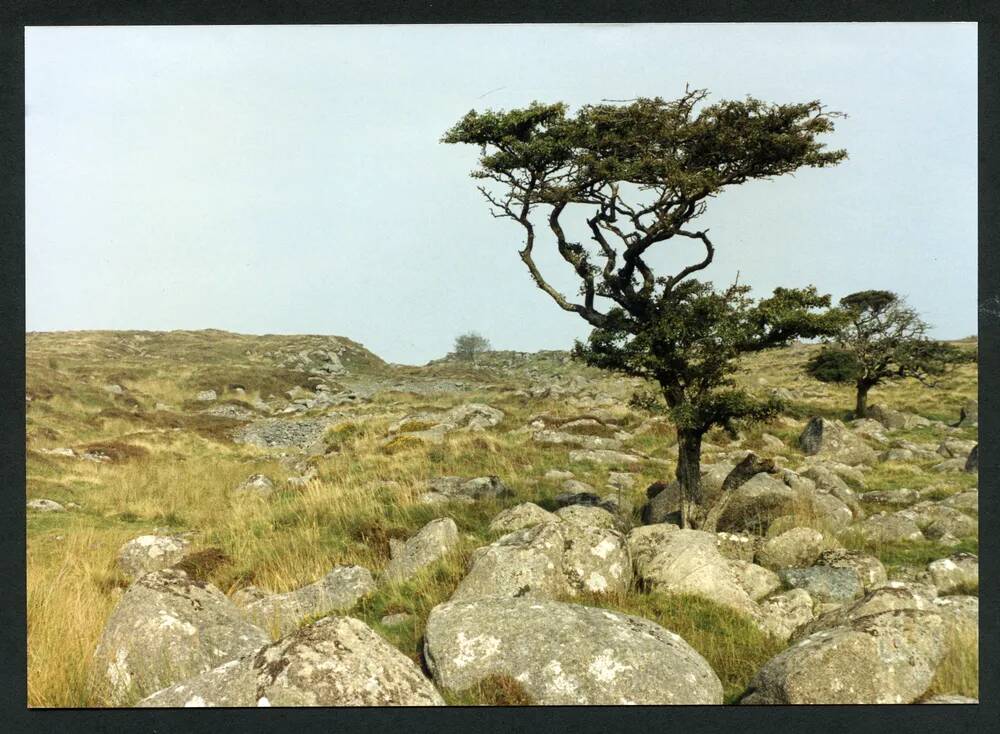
(692, 340)
(469, 346)
(642, 172)
(882, 339)
(833, 365)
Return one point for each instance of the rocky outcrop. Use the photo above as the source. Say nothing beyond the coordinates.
(168, 627)
(337, 661)
(150, 553)
(565, 654)
(896, 419)
(340, 589)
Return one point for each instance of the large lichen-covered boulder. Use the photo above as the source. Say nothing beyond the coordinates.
(337, 661)
(550, 560)
(881, 658)
(150, 553)
(524, 515)
(339, 589)
(664, 498)
(429, 545)
(689, 562)
(833, 440)
(565, 654)
(168, 627)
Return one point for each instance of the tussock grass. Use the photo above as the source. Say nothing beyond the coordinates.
(175, 470)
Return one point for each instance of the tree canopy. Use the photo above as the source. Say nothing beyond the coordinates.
(469, 345)
(639, 174)
(882, 339)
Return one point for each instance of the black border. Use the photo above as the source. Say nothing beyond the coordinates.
(15, 14)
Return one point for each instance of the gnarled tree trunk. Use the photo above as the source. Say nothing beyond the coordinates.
(689, 474)
(861, 404)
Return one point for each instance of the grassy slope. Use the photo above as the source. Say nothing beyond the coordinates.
(176, 470)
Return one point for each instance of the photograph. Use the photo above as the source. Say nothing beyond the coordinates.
(501, 364)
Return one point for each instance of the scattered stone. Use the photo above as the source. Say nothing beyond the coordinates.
(757, 581)
(884, 599)
(950, 465)
(443, 489)
(938, 520)
(824, 583)
(689, 562)
(565, 654)
(968, 414)
(739, 546)
(337, 661)
(893, 528)
(258, 484)
(67, 452)
(604, 456)
(869, 569)
(521, 516)
(206, 396)
(955, 448)
(794, 548)
(883, 658)
(758, 501)
(621, 480)
(895, 419)
(972, 462)
(954, 573)
(580, 514)
(575, 440)
(548, 561)
(965, 501)
(782, 614)
(44, 505)
(304, 433)
(150, 553)
(558, 475)
(114, 389)
(432, 543)
(168, 627)
(833, 440)
(340, 589)
(897, 497)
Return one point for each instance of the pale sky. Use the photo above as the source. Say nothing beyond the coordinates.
(290, 179)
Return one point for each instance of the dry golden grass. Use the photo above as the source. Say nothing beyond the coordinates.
(175, 471)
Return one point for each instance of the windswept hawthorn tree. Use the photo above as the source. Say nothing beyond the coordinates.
(882, 340)
(638, 175)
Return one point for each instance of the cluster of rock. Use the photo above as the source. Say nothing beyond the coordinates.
(433, 427)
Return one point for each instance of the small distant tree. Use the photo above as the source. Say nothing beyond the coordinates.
(471, 345)
(882, 339)
(637, 175)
